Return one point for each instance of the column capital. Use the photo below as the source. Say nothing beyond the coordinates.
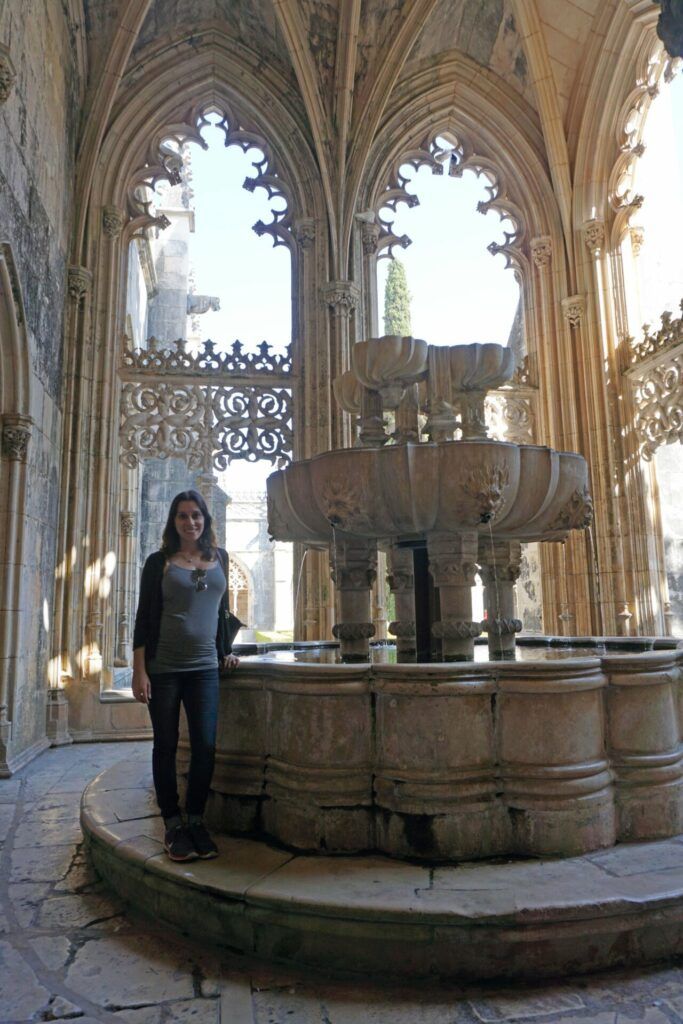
(79, 282)
(127, 523)
(8, 75)
(304, 232)
(342, 297)
(574, 309)
(16, 434)
(541, 250)
(370, 237)
(113, 220)
(594, 236)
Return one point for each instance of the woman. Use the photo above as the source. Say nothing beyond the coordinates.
(182, 635)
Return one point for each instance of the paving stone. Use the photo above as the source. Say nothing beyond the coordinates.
(41, 864)
(81, 874)
(53, 950)
(26, 899)
(37, 833)
(58, 1008)
(143, 1015)
(236, 1004)
(78, 911)
(523, 1005)
(196, 1011)
(21, 994)
(10, 790)
(113, 972)
(363, 1007)
(286, 1007)
(6, 818)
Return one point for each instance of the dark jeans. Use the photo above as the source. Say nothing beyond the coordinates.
(198, 692)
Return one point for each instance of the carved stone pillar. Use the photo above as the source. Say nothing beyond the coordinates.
(401, 580)
(500, 564)
(342, 299)
(372, 433)
(354, 567)
(123, 647)
(8, 75)
(453, 564)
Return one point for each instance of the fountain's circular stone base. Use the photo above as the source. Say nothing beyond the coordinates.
(370, 914)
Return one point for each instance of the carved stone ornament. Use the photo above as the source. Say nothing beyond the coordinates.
(403, 630)
(304, 232)
(577, 514)
(351, 631)
(400, 582)
(113, 220)
(659, 401)
(16, 434)
(369, 238)
(456, 629)
(451, 571)
(541, 250)
(667, 337)
(353, 578)
(343, 504)
(172, 358)
(501, 627)
(594, 236)
(8, 75)
(485, 486)
(127, 522)
(79, 282)
(342, 297)
(574, 308)
(637, 238)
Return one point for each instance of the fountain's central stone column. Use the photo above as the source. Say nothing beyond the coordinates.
(453, 565)
(354, 569)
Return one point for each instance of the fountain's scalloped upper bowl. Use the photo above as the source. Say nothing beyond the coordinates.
(521, 492)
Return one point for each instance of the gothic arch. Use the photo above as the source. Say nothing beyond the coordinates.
(14, 351)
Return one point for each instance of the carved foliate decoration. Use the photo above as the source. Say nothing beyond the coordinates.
(113, 220)
(438, 151)
(510, 416)
(637, 239)
(401, 582)
(594, 236)
(456, 629)
(541, 250)
(8, 75)
(574, 309)
(207, 425)
(659, 400)
(485, 487)
(16, 434)
(577, 513)
(127, 523)
(669, 335)
(450, 570)
(342, 297)
(304, 232)
(171, 358)
(353, 631)
(79, 282)
(164, 162)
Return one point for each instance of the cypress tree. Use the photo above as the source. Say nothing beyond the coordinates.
(397, 301)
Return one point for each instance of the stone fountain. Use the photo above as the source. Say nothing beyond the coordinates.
(467, 504)
(438, 762)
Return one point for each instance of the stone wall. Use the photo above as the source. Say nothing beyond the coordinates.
(38, 124)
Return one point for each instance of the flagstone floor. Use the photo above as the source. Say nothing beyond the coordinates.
(70, 951)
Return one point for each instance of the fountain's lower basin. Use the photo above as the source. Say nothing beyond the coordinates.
(451, 762)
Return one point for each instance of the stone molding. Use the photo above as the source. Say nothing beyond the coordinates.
(501, 627)
(113, 220)
(342, 297)
(171, 358)
(8, 75)
(402, 629)
(541, 250)
(369, 238)
(16, 434)
(351, 631)
(669, 335)
(456, 629)
(79, 282)
(574, 310)
(593, 232)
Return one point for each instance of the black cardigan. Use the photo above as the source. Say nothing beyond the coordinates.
(151, 603)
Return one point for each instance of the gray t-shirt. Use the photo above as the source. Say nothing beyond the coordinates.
(189, 619)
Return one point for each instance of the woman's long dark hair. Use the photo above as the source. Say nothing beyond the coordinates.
(170, 540)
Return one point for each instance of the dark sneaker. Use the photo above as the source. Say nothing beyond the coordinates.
(203, 843)
(178, 844)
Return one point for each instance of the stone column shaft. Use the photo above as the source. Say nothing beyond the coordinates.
(354, 568)
(401, 580)
(453, 564)
(500, 564)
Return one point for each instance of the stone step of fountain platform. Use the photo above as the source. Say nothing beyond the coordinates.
(373, 915)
